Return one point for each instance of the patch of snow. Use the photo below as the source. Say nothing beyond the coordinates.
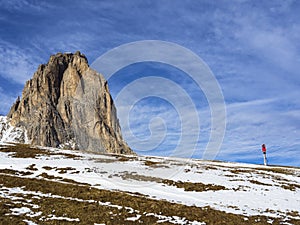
(9, 133)
(33, 206)
(20, 211)
(53, 217)
(30, 222)
(135, 218)
(174, 219)
(34, 214)
(71, 144)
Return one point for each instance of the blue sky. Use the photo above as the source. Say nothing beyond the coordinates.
(252, 48)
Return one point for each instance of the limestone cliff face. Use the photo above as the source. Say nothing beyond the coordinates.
(66, 103)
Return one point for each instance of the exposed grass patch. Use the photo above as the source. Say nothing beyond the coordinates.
(155, 164)
(259, 183)
(229, 175)
(291, 187)
(240, 188)
(281, 170)
(47, 176)
(105, 160)
(294, 213)
(120, 158)
(135, 176)
(210, 168)
(62, 170)
(57, 178)
(15, 172)
(26, 151)
(32, 167)
(239, 171)
(189, 186)
(9, 171)
(150, 163)
(123, 158)
(75, 172)
(68, 155)
(23, 151)
(48, 167)
(65, 169)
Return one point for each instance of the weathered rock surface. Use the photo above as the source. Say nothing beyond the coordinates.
(66, 103)
(9, 133)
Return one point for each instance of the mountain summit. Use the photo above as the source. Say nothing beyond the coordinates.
(68, 104)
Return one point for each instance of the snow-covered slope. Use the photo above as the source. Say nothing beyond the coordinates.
(8, 133)
(241, 189)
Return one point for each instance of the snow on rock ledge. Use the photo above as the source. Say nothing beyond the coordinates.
(9, 133)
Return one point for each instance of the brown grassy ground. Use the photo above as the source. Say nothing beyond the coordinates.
(26, 151)
(187, 186)
(70, 199)
(73, 203)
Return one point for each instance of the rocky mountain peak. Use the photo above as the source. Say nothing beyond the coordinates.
(66, 103)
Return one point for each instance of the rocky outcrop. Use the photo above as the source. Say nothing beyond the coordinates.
(11, 134)
(66, 103)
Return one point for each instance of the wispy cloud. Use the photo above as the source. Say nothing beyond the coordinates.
(253, 123)
(156, 129)
(15, 63)
(23, 5)
(273, 44)
(253, 49)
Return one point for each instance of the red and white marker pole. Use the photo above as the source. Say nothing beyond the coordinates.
(264, 151)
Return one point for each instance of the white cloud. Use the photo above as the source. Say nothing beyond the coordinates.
(274, 45)
(250, 124)
(165, 132)
(16, 64)
(270, 33)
